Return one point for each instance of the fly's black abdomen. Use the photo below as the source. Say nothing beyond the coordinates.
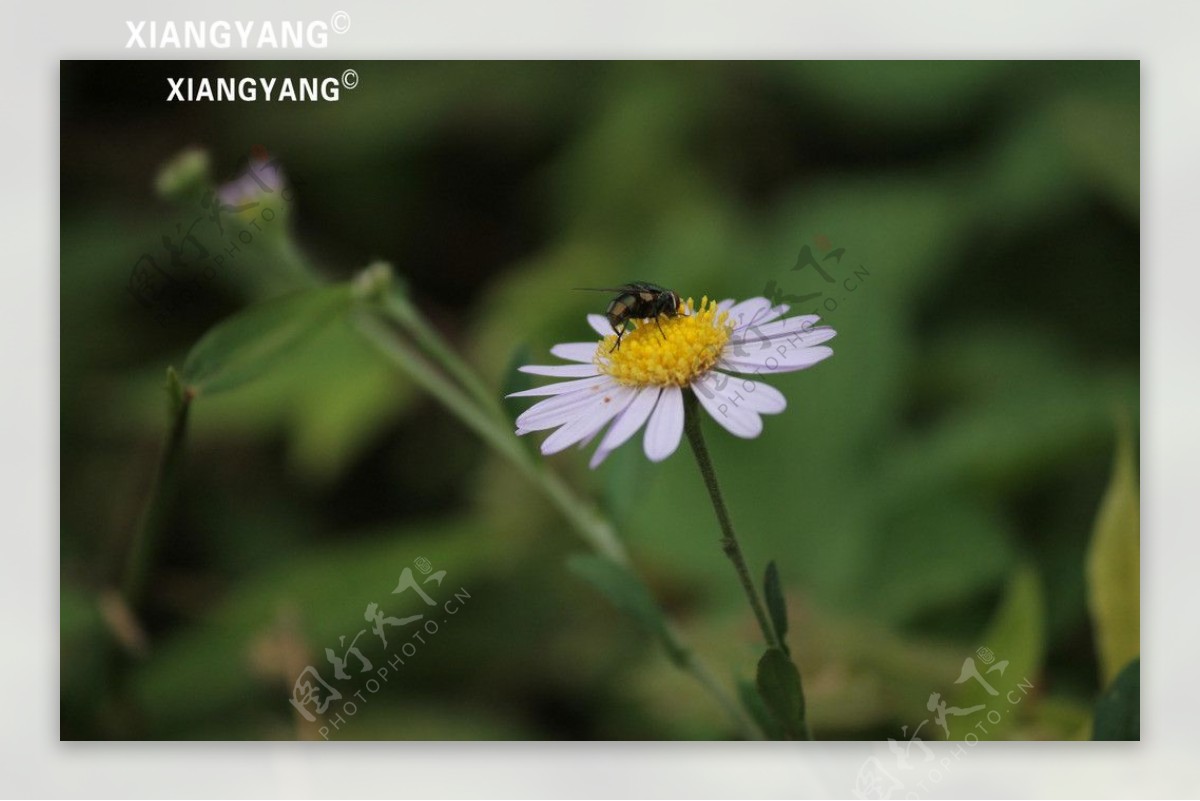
(639, 300)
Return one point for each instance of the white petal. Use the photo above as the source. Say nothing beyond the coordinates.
(559, 387)
(561, 370)
(772, 361)
(749, 312)
(802, 324)
(737, 418)
(599, 324)
(666, 425)
(740, 391)
(589, 420)
(561, 408)
(726, 304)
(756, 350)
(575, 351)
(625, 426)
(774, 313)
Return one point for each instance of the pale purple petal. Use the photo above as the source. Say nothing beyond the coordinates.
(726, 304)
(666, 425)
(583, 443)
(775, 312)
(590, 419)
(599, 324)
(804, 325)
(737, 418)
(740, 391)
(561, 370)
(749, 312)
(773, 361)
(628, 424)
(575, 351)
(753, 350)
(560, 409)
(559, 387)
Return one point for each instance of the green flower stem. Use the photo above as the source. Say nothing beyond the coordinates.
(729, 542)
(595, 530)
(397, 307)
(162, 490)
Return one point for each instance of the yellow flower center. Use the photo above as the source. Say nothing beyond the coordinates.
(687, 347)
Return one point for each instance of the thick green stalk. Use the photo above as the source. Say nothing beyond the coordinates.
(397, 307)
(596, 531)
(729, 542)
(140, 553)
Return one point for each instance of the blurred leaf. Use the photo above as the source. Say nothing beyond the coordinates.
(85, 646)
(244, 346)
(516, 381)
(753, 702)
(1103, 137)
(1008, 659)
(778, 683)
(932, 550)
(627, 593)
(1119, 710)
(898, 95)
(776, 604)
(327, 587)
(1114, 565)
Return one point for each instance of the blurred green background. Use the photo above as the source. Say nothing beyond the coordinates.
(930, 490)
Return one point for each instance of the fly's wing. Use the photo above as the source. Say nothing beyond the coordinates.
(634, 286)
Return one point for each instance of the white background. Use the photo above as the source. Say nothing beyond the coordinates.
(1163, 36)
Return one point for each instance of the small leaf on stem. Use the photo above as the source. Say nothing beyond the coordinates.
(241, 348)
(779, 685)
(1119, 710)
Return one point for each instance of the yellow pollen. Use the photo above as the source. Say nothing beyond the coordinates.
(687, 348)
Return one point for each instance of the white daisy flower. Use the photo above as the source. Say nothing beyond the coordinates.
(642, 383)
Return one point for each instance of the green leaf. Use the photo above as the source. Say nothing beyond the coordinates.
(778, 683)
(516, 381)
(1118, 712)
(1114, 565)
(176, 394)
(776, 604)
(753, 703)
(241, 348)
(1000, 676)
(626, 592)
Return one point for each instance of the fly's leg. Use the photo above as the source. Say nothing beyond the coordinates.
(617, 344)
